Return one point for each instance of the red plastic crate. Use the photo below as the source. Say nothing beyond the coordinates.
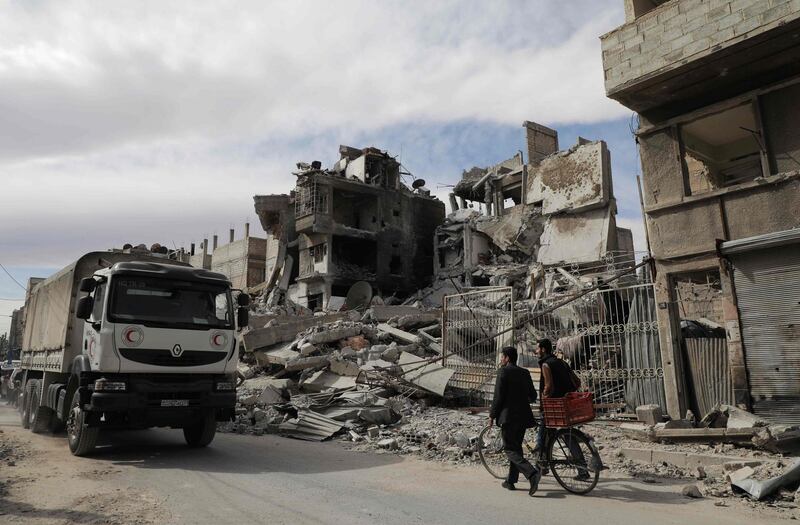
(572, 409)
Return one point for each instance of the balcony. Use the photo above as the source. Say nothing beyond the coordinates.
(689, 53)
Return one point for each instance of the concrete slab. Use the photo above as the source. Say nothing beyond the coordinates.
(432, 377)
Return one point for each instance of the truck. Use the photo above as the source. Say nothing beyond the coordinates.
(130, 341)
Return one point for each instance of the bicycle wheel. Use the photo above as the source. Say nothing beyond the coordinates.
(574, 461)
(490, 450)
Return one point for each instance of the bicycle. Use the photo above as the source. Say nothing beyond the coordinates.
(570, 454)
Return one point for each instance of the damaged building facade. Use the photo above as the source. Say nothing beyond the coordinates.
(716, 86)
(533, 251)
(556, 209)
(356, 221)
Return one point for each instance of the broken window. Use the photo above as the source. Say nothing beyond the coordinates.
(780, 113)
(318, 252)
(636, 8)
(396, 265)
(310, 199)
(355, 258)
(355, 210)
(722, 149)
(698, 296)
(316, 302)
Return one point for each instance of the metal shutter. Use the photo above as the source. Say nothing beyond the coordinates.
(768, 292)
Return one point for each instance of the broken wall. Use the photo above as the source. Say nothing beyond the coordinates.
(574, 180)
(578, 239)
(242, 261)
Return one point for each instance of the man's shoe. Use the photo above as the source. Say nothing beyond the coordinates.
(509, 486)
(537, 476)
(583, 476)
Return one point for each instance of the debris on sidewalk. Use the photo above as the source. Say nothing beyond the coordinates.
(764, 488)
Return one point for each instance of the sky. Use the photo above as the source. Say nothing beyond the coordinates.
(157, 121)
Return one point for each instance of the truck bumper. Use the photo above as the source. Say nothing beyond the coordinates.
(162, 401)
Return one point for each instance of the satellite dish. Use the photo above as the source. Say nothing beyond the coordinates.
(358, 296)
(418, 183)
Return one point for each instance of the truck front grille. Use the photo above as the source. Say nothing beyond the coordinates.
(165, 358)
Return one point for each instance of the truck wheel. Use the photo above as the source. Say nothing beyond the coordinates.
(81, 437)
(25, 404)
(56, 425)
(201, 433)
(38, 416)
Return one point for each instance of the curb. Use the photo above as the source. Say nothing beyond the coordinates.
(684, 459)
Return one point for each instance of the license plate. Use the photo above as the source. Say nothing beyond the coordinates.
(174, 402)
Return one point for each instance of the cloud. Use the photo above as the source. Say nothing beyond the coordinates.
(76, 78)
(157, 121)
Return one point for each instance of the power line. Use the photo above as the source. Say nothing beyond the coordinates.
(7, 299)
(12, 278)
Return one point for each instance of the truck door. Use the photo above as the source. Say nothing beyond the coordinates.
(91, 331)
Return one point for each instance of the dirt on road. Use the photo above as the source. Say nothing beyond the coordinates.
(152, 477)
(40, 484)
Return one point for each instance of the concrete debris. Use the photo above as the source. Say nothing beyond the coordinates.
(649, 414)
(430, 376)
(727, 416)
(762, 489)
(778, 438)
(310, 426)
(327, 381)
(739, 475)
(388, 443)
(691, 491)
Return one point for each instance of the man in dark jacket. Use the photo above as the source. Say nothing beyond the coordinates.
(513, 394)
(557, 380)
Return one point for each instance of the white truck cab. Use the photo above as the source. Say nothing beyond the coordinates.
(143, 342)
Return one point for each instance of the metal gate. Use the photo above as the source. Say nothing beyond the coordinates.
(471, 339)
(768, 295)
(610, 337)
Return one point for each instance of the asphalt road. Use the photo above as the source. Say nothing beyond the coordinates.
(260, 479)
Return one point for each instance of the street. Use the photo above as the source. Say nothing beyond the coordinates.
(151, 477)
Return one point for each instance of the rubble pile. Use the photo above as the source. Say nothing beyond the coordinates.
(431, 433)
(320, 375)
(736, 470)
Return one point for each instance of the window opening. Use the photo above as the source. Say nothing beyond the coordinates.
(722, 149)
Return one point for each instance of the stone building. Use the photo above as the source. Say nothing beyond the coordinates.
(716, 85)
(354, 222)
(556, 209)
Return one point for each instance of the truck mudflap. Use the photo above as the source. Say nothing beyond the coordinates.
(159, 400)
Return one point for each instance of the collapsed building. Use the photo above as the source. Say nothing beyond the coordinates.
(355, 222)
(557, 209)
(716, 86)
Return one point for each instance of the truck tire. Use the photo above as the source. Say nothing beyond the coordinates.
(81, 438)
(201, 433)
(56, 425)
(38, 416)
(25, 405)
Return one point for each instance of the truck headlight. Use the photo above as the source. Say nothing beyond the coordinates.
(104, 385)
(225, 385)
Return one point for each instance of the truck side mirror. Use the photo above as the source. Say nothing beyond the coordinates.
(88, 284)
(242, 317)
(85, 307)
(243, 299)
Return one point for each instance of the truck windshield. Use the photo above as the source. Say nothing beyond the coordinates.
(169, 303)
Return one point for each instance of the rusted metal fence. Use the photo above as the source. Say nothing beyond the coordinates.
(707, 360)
(704, 345)
(309, 199)
(473, 321)
(610, 338)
